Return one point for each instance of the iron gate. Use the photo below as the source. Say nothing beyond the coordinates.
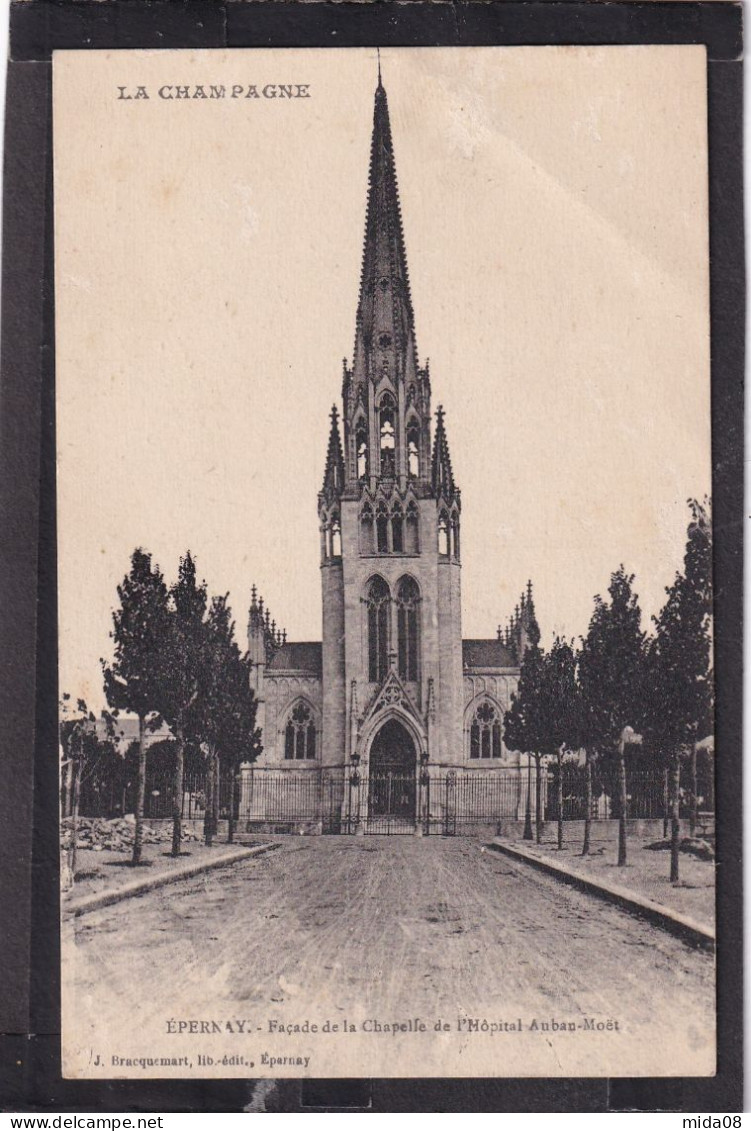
(392, 803)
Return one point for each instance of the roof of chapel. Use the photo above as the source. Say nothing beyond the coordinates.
(305, 657)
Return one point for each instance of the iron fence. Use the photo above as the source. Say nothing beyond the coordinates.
(646, 796)
(443, 802)
(430, 800)
(284, 798)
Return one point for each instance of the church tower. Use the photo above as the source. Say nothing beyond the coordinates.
(389, 515)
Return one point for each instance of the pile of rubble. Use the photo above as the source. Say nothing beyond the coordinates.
(694, 846)
(116, 835)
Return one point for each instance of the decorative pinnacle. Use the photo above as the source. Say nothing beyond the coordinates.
(253, 596)
(260, 606)
(378, 53)
(334, 416)
(529, 592)
(499, 630)
(284, 636)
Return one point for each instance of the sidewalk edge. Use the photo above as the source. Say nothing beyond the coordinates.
(140, 887)
(681, 925)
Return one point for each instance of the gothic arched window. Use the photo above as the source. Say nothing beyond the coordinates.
(413, 450)
(387, 420)
(382, 529)
(455, 533)
(397, 530)
(485, 732)
(336, 536)
(300, 735)
(361, 449)
(378, 601)
(443, 535)
(366, 530)
(412, 535)
(407, 603)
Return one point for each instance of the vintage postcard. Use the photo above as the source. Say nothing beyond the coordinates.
(384, 517)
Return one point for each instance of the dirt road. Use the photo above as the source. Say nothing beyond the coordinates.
(387, 928)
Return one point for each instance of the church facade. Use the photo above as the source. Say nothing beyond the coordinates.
(358, 728)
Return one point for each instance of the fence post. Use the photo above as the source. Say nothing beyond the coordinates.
(538, 798)
(246, 792)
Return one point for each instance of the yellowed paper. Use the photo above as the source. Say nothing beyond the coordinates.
(211, 274)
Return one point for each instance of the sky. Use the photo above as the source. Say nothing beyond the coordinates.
(554, 203)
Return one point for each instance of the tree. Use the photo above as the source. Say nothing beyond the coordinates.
(612, 677)
(561, 712)
(227, 711)
(83, 755)
(160, 769)
(184, 657)
(682, 692)
(134, 679)
(524, 722)
(77, 736)
(103, 779)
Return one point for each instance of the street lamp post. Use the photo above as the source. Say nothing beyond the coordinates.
(528, 807)
(425, 798)
(628, 736)
(354, 788)
(694, 815)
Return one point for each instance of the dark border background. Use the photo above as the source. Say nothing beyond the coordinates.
(30, 1010)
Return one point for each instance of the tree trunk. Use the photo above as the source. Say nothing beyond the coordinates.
(623, 803)
(694, 791)
(208, 814)
(232, 802)
(76, 786)
(588, 803)
(177, 795)
(665, 802)
(528, 806)
(67, 800)
(675, 838)
(538, 798)
(141, 794)
(560, 800)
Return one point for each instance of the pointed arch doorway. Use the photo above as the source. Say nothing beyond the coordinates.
(392, 780)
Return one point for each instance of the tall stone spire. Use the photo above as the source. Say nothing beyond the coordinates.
(384, 338)
(386, 397)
